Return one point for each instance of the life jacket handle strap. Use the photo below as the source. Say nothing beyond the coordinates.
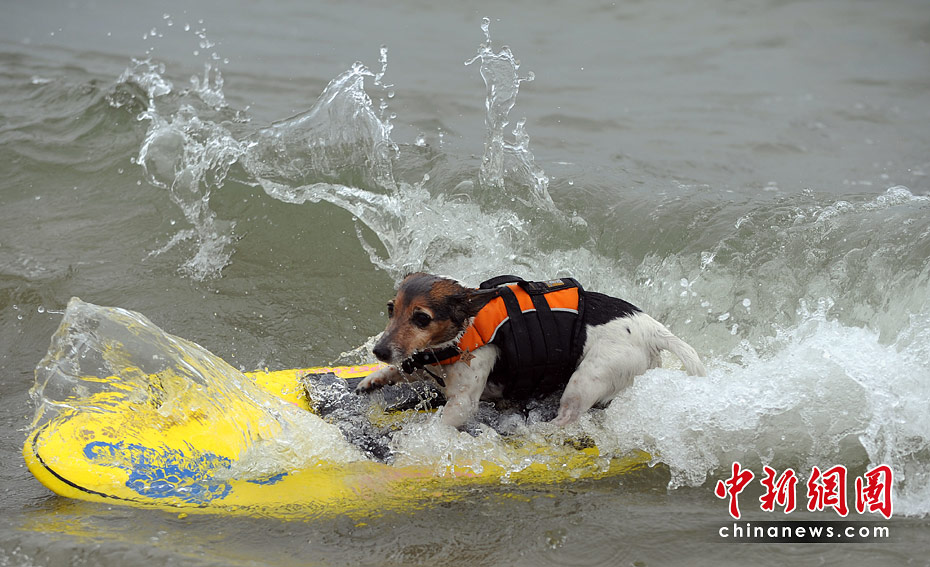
(501, 280)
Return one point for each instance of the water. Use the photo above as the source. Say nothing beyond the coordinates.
(753, 175)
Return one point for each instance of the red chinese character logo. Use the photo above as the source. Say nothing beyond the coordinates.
(733, 486)
(875, 494)
(781, 491)
(827, 490)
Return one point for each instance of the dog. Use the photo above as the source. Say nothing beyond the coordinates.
(550, 335)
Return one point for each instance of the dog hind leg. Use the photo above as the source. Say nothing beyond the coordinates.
(588, 387)
(612, 358)
(574, 403)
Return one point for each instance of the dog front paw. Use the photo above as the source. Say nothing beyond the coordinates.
(377, 379)
(368, 385)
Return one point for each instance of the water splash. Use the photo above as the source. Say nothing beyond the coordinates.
(191, 145)
(188, 150)
(506, 161)
(106, 360)
(341, 151)
(341, 140)
(191, 157)
(832, 395)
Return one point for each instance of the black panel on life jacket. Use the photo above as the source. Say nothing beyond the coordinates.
(539, 349)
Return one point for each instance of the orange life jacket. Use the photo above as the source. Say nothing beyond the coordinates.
(538, 327)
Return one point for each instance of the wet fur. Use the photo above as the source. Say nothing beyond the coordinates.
(621, 342)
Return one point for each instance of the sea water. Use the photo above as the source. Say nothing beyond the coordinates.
(255, 178)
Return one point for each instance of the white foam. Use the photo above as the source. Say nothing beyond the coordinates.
(822, 394)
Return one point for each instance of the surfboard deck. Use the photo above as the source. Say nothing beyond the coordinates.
(112, 451)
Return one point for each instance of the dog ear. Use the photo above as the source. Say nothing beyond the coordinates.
(470, 302)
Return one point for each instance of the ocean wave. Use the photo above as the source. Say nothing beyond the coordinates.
(810, 310)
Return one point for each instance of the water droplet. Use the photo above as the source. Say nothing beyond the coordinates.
(556, 538)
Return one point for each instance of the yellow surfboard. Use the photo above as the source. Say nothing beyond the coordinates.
(117, 447)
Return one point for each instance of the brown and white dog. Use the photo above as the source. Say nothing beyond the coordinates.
(432, 313)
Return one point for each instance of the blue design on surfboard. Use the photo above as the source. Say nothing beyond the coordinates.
(164, 473)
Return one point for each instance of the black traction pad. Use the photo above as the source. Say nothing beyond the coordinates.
(360, 417)
(334, 399)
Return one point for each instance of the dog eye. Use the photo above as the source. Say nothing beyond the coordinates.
(421, 319)
(390, 309)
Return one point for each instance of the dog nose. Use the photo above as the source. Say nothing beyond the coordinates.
(382, 352)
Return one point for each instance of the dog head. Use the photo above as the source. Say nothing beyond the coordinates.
(427, 312)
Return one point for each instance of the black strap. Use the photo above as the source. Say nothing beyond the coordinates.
(522, 343)
(548, 324)
(436, 377)
(423, 358)
(500, 280)
(578, 333)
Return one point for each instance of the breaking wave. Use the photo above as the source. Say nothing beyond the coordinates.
(108, 360)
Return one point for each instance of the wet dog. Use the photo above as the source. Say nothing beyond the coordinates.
(460, 336)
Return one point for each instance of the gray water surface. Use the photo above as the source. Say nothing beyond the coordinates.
(753, 174)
